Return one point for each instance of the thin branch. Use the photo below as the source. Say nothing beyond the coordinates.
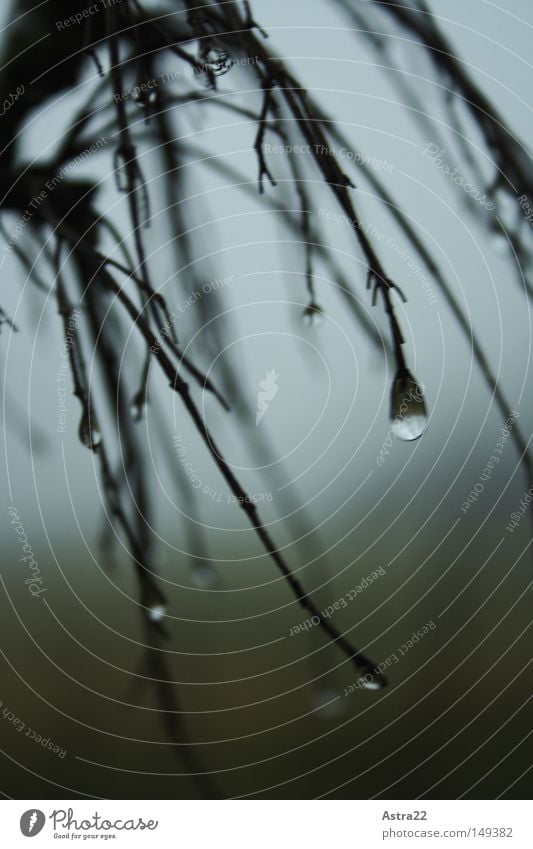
(264, 170)
(309, 123)
(509, 154)
(360, 661)
(88, 428)
(203, 380)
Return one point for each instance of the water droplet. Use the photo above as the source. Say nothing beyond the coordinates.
(136, 410)
(408, 408)
(328, 703)
(144, 99)
(89, 434)
(204, 576)
(217, 61)
(156, 613)
(313, 315)
(374, 680)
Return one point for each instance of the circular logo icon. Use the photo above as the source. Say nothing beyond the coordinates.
(32, 822)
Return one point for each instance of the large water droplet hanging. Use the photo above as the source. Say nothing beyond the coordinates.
(313, 315)
(408, 409)
(89, 434)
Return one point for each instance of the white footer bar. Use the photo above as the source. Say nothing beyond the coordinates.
(282, 824)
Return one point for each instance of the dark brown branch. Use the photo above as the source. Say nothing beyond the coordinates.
(203, 380)
(509, 154)
(361, 662)
(88, 429)
(310, 125)
(264, 170)
(159, 675)
(150, 592)
(251, 23)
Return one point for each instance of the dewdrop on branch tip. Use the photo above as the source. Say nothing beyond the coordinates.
(313, 315)
(144, 100)
(156, 613)
(153, 602)
(215, 60)
(373, 681)
(137, 409)
(408, 409)
(89, 435)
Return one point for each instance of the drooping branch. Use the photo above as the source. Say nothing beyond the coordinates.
(264, 170)
(511, 159)
(361, 662)
(270, 67)
(165, 337)
(91, 437)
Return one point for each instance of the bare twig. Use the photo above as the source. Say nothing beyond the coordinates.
(264, 170)
(360, 661)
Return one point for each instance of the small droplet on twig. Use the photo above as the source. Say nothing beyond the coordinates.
(136, 411)
(313, 315)
(156, 613)
(89, 434)
(408, 409)
(145, 99)
(137, 408)
(216, 61)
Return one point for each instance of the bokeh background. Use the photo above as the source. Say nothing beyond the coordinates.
(265, 714)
